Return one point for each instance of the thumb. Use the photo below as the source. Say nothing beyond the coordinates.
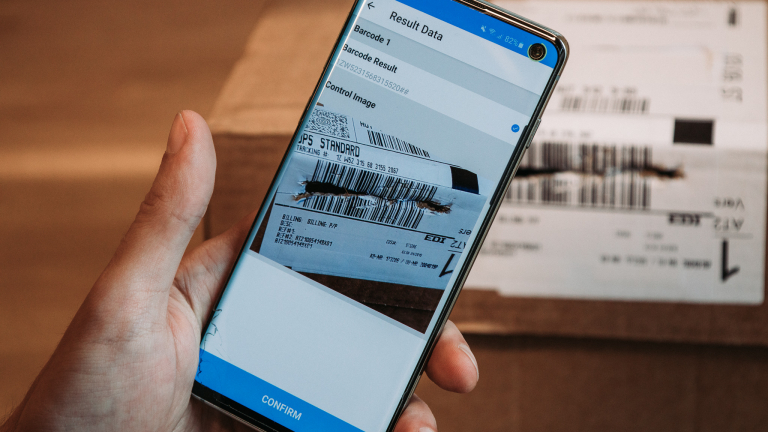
(143, 268)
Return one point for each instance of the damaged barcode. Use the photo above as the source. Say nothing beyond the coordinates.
(599, 104)
(328, 123)
(586, 175)
(333, 178)
(406, 214)
(393, 143)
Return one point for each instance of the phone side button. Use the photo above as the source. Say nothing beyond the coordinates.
(533, 133)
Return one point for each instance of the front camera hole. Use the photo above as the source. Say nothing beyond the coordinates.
(537, 51)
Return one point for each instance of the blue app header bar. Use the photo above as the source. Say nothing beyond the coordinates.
(484, 26)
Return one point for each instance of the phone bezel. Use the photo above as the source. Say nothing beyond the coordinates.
(253, 419)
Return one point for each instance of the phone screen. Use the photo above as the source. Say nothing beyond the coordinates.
(340, 286)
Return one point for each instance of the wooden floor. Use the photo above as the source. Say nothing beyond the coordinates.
(88, 90)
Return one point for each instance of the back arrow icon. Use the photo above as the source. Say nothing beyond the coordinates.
(370, 5)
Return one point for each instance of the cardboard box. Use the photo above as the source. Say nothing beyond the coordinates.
(257, 113)
(548, 364)
(544, 384)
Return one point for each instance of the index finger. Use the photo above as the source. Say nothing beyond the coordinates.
(452, 366)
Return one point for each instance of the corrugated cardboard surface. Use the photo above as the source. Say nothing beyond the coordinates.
(563, 364)
(535, 384)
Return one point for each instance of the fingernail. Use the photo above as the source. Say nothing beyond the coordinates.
(468, 352)
(178, 135)
(426, 429)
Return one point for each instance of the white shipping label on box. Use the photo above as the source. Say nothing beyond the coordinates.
(363, 204)
(647, 178)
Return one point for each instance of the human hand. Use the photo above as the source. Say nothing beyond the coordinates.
(128, 359)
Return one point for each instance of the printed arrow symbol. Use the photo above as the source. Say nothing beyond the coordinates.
(370, 5)
(725, 271)
(445, 270)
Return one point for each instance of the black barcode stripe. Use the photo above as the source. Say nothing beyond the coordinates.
(587, 158)
(364, 182)
(393, 143)
(622, 105)
(608, 176)
(406, 214)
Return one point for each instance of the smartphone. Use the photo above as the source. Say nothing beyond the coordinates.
(391, 181)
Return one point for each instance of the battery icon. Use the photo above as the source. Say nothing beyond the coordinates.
(520, 45)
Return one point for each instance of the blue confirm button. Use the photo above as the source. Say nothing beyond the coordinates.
(265, 398)
(515, 128)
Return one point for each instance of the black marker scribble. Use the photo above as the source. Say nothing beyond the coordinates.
(648, 171)
(324, 189)
(551, 158)
(315, 188)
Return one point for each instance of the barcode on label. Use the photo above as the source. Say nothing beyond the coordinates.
(587, 175)
(406, 214)
(600, 104)
(393, 143)
(363, 182)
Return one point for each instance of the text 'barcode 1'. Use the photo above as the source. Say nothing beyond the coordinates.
(597, 104)
(394, 143)
(363, 182)
(406, 214)
(587, 175)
